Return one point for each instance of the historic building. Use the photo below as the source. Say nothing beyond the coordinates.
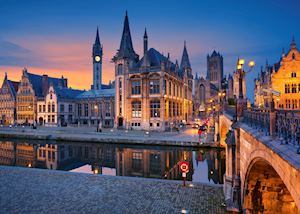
(280, 82)
(33, 87)
(96, 106)
(58, 106)
(8, 93)
(152, 93)
(207, 90)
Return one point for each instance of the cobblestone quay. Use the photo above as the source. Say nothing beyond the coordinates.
(24, 190)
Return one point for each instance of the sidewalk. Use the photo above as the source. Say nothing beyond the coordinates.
(186, 137)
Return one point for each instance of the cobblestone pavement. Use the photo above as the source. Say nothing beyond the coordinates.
(24, 190)
(186, 137)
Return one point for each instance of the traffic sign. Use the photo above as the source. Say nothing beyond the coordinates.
(184, 166)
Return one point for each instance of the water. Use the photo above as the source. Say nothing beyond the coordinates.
(206, 165)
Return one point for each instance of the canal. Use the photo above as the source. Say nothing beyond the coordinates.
(207, 165)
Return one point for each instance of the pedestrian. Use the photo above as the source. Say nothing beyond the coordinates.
(199, 134)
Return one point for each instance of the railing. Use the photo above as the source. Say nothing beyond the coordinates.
(286, 126)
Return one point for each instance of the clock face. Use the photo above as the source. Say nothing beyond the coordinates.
(97, 58)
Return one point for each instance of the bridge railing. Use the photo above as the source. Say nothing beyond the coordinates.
(286, 125)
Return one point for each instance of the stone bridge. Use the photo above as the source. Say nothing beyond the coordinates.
(262, 170)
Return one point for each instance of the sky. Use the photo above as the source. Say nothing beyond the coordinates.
(55, 37)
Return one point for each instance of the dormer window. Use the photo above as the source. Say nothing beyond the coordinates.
(294, 74)
(293, 56)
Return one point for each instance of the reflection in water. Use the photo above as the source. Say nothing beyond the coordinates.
(206, 165)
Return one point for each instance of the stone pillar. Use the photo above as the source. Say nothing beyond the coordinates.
(241, 105)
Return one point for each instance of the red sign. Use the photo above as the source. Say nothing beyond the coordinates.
(184, 166)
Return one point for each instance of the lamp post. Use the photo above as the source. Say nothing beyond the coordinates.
(241, 75)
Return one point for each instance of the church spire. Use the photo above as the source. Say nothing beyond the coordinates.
(97, 40)
(185, 61)
(293, 44)
(126, 47)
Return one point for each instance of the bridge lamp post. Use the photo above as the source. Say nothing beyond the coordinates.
(241, 75)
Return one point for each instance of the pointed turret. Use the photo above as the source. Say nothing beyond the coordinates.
(97, 40)
(185, 61)
(126, 47)
(145, 42)
(5, 76)
(293, 44)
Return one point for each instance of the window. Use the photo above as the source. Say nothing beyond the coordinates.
(53, 119)
(49, 119)
(120, 69)
(170, 88)
(287, 88)
(62, 108)
(293, 74)
(44, 108)
(53, 108)
(165, 87)
(136, 109)
(294, 88)
(154, 86)
(86, 110)
(70, 108)
(49, 108)
(299, 87)
(79, 110)
(154, 108)
(137, 161)
(40, 108)
(135, 87)
(107, 109)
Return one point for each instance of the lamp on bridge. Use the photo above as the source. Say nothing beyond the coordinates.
(241, 102)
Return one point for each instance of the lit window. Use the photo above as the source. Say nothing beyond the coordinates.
(154, 108)
(136, 109)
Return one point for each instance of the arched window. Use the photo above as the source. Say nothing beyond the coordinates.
(293, 74)
(120, 68)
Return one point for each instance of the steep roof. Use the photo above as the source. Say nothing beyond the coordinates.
(14, 86)
(155, 59)
(97, 40)
(185, 61)
(126, 47)
(37, 82)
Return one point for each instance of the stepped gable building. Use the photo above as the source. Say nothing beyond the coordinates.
(8, 92)
(58, 106)
(152, 93)
(32, 88)
(280, 82)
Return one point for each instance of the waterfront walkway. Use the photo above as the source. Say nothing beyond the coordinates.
(185, 137)
(24, 190)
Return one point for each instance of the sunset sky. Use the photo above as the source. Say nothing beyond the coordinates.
(55, 37)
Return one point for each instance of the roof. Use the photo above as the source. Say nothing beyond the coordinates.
(37, 82)
(155, 59)
(67, 93)
(185, 61)
(97, 93)
(14, 86)
(126, 47)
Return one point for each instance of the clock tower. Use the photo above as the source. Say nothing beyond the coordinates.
(97, 63)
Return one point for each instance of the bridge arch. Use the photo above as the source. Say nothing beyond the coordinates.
(267, 188)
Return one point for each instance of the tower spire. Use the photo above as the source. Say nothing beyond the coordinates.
(293, 43)
(97, 40)
(185, 61)
(126, 47)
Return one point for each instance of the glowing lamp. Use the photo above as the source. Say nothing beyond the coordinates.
(241, 62)
(223, 94)
(219, 94)
(239, 67)
(251, 64)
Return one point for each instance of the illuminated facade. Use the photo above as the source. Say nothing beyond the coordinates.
(152, 93)
(206, 90)
(32, 88)
(280, 82)
(8, 101)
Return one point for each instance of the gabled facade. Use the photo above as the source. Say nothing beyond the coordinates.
(280, 82)
(152, 93)
(32, 88)
(8, 101)
(58, 106)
